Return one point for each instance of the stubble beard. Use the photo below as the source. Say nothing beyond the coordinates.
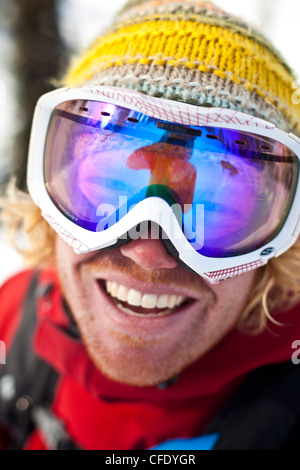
(134, 359)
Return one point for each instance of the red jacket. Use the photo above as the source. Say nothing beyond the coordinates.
(100, 414)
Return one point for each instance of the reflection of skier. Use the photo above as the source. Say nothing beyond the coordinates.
(168, 161)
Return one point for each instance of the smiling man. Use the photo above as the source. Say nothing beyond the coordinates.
(122, 300)
(164, 200)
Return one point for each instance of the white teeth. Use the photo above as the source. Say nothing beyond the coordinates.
(114, 289)
(122, 293)
(172, 301)
(134, 297)
(139, 299)
(179, 299)
(108, 286)
(162, 301)
(149, 301)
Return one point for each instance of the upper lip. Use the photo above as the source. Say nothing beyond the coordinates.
(175, 281)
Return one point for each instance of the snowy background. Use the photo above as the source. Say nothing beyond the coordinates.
(81, 20)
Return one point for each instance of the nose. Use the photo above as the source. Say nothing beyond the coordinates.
(149, 254)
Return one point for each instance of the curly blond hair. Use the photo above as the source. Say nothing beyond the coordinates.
(277, 288)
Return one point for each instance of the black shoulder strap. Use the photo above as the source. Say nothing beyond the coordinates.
(27, 385)
(264, 412)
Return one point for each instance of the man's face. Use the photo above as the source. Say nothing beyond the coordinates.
(144, 346)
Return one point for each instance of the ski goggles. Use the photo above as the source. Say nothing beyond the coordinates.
(222, 186)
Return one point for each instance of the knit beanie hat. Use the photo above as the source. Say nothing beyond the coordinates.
(194, 52)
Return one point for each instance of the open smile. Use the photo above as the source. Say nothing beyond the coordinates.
(142, 304)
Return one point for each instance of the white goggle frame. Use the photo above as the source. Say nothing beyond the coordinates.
(155, 209)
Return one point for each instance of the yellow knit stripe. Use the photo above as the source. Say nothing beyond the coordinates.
(217, 20)
(205, 47)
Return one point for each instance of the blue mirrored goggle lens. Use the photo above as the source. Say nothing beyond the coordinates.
(235, 189)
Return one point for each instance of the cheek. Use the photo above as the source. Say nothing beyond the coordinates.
(234, 294)
(65, 256)
(64, 262)
(66, 265)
